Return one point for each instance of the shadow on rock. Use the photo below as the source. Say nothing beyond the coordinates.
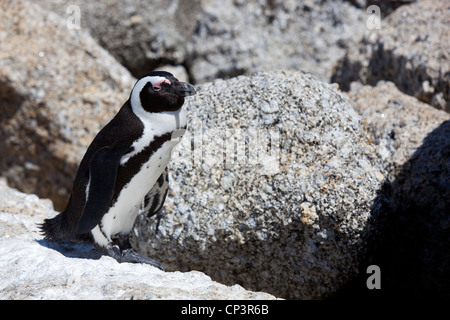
(73, 250)
(413, 245)
(26, 161)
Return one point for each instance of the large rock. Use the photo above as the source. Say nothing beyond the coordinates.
(413, 142)
(221, 38)
(243, 37)
(37, 269)
(397, 124)
(58, 87)
(410, 49)
(141, 34)
(273, 189)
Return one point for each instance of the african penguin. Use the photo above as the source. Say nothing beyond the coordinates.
(124, 166)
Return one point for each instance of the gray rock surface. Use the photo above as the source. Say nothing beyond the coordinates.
(244, 37)
(222, 38)
(416, 246)
(410, 49)
(140, 34)
(413, 142)
(397, 124)
(36, 269)
(58, 88)
(277, 193)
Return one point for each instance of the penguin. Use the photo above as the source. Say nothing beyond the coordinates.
(123, 168)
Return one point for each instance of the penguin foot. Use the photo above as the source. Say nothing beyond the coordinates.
(128, 255)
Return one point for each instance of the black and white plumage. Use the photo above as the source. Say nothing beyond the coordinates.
(125, 165)
(154, 199)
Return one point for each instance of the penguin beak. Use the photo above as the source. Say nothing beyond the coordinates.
(183, 89)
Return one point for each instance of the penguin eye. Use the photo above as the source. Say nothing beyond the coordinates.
(158, 86)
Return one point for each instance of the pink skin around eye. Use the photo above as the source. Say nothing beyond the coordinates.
(157, 86)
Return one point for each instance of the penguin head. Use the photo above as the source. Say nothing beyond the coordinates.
(160, 91)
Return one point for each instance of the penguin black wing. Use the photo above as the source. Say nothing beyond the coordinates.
(100, 191)
(154, 199)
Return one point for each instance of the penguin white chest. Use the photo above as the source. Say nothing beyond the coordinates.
(121, 216)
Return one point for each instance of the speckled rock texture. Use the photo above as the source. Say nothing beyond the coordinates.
(37, 269)
(58, 88)
(140, 34)
(410, 49)
(396, 123)
(288, 207)
(235, 37)
(412, 140)
(221, 38)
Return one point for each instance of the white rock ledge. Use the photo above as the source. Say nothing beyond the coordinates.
(33, 268)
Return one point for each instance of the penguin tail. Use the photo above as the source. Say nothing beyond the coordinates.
(54, 229)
